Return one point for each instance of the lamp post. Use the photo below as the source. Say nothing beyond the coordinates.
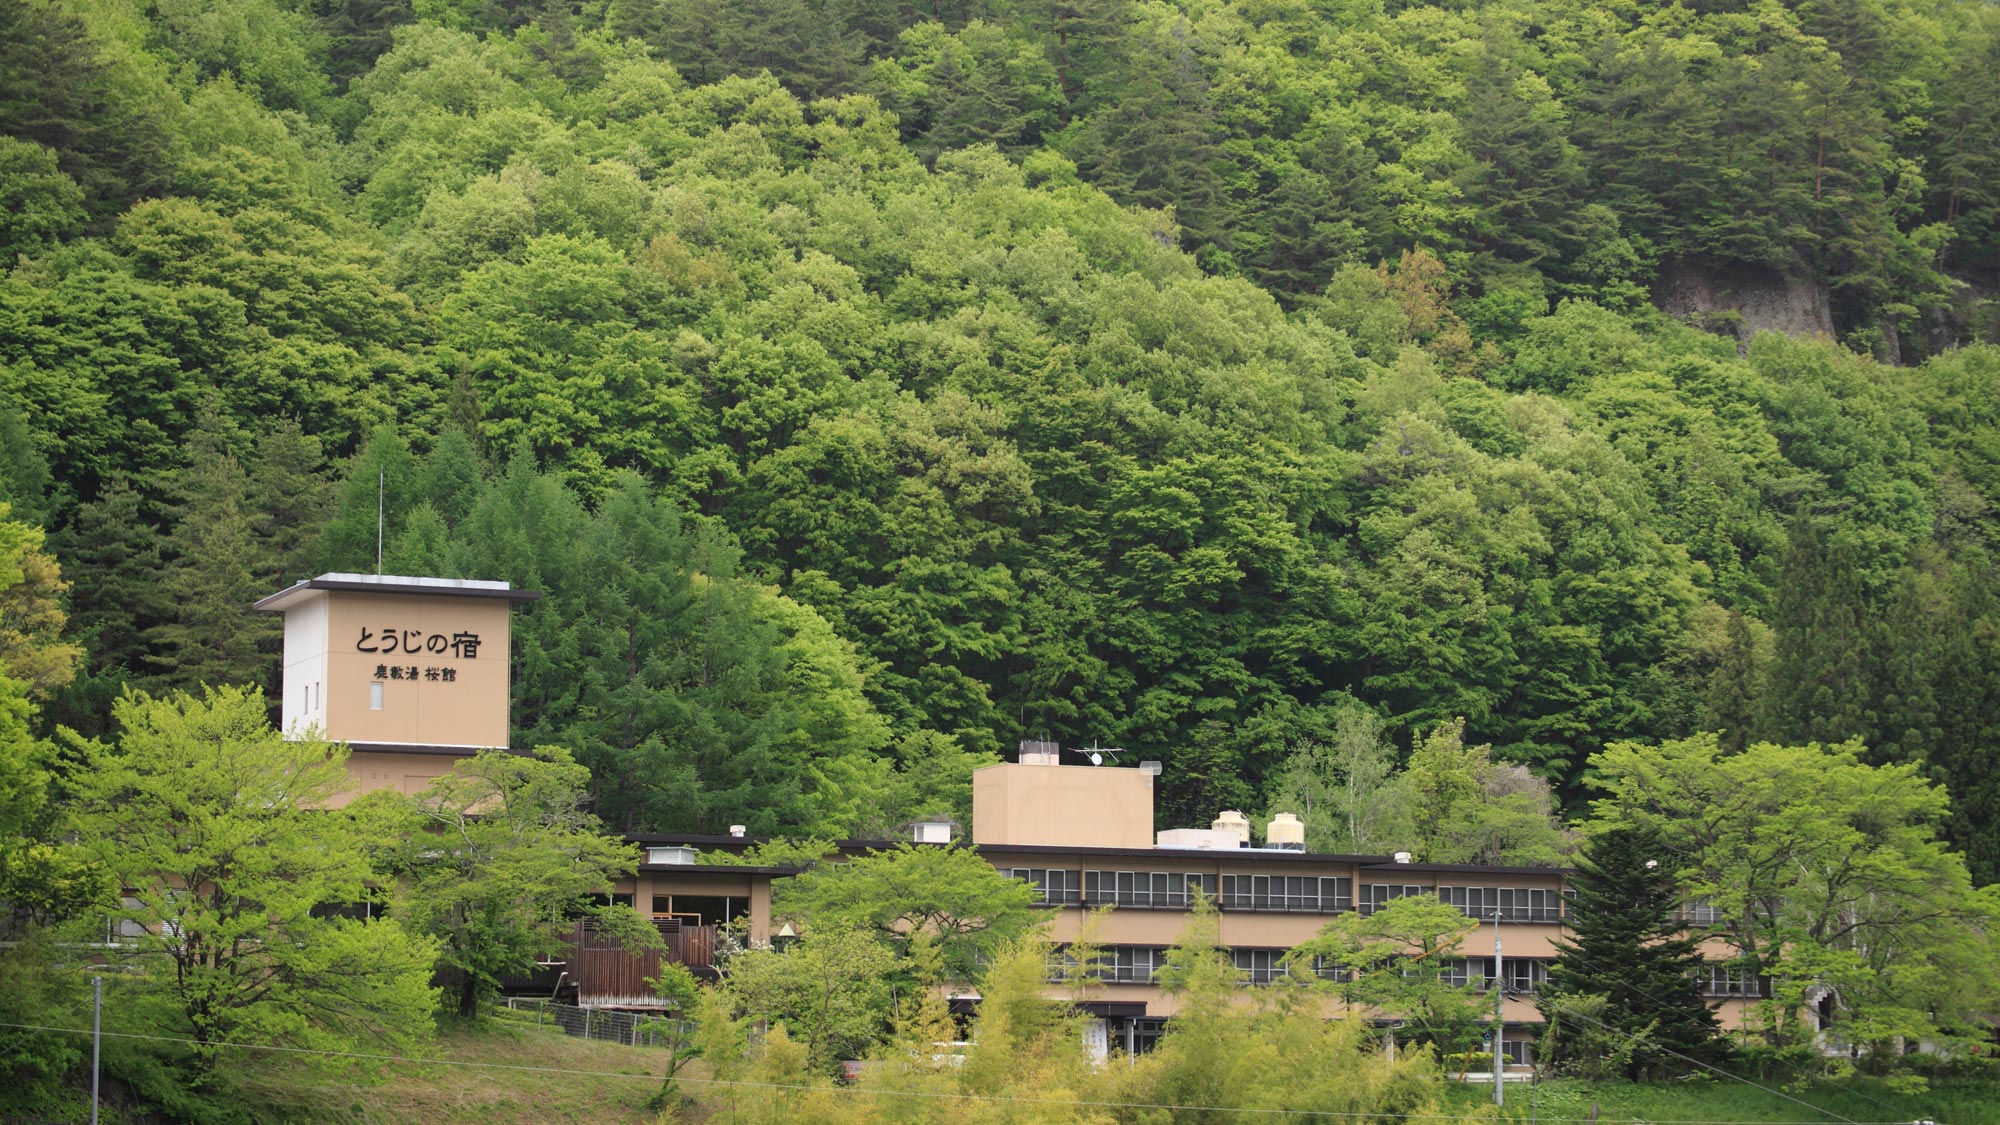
(1499, 1013)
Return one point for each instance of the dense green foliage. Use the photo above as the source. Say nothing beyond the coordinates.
(212, 824)
(492, 859)
(1825, 873)
(1226, 1053)
(871, 387)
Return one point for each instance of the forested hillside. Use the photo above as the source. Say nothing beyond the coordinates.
(870, 386)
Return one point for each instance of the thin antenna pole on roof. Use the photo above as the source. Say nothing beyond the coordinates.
(381, 479)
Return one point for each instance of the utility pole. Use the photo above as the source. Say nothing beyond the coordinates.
(381, 486)
(1499, 1013)
(96, 1023)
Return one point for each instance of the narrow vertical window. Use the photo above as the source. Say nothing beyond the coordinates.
(375, 696)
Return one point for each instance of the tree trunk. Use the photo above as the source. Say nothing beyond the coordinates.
(468, 997)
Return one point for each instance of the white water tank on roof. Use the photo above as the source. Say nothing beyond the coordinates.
(1286, 831)
(1236, 824)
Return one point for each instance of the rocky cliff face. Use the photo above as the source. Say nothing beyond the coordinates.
(1743, 299)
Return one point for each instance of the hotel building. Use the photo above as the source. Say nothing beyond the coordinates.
(413, 674)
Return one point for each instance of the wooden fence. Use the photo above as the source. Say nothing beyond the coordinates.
(605, 973)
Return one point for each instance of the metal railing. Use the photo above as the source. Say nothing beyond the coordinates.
(633, 1029)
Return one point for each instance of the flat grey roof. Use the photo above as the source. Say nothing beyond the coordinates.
(426, 748)
(392, 584)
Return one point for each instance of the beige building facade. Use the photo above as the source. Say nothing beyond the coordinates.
(412, 673)
(1090, 844)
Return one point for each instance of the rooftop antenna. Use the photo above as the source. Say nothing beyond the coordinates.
(1099, 753)
(381, 480)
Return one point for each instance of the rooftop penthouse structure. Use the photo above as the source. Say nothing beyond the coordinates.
(412, 673)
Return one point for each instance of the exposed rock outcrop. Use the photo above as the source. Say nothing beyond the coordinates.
(1743, 299)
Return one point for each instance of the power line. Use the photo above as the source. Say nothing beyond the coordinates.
(1697, 1062)
(1796, 1070)
(938, 1095)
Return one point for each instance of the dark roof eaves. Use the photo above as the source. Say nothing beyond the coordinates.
(1189, 853)
(1468, 869)
(268, 603)
(717, 869)
(426, 748)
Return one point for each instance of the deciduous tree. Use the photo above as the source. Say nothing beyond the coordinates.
(967, 907)
(1397, 961)
(493, 859)
(1826, 872)
(235, 877)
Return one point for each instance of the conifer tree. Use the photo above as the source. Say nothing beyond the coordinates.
(212, 636)
(1819, 680)
(1736, 687)
(1629, 950)
(111, 553)
(24, 475)
(1966, 754)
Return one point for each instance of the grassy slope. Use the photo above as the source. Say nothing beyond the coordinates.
(1948, 1102)
(443, 1092)
(618, 1082)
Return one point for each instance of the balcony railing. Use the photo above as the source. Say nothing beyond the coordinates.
(604, 972)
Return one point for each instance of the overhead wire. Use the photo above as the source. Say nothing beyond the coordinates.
(1796, 1070)
(858, 1091)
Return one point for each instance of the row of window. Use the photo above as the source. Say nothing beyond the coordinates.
(1144, 1032)
(1512, 904)
(1118, 964)
(1175, 890)
(1140, 964)
(1157, 890)
(1523, 975)
(1701, 913)
(1727, 980)
(1304, 894)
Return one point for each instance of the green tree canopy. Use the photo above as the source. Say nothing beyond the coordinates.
(235, 875)
(1826, 871)
(493, 859)
(967, 908)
